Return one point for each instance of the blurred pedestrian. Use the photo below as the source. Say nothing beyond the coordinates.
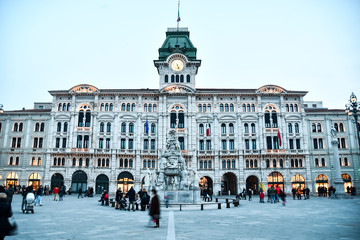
(56, 193)
(154, 210)
(5, 214)
(80, 193)
(10, 192)
(39, 194)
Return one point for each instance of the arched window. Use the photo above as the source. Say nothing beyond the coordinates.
(37, 127)
(267, 163)
(290, 128)
(296, 108)
(154, 107)
(300, 163)
(64, 107)
(200, 108)
(228, 164)
(59, 107)
(346, 163)
(153, 128)
(248, 108)
(319, 127)
(102, 127)
(233, 164)
(226, 107)
(81, 118)
(267, 120)
(42, 127)
(121, 164)
(103, 162)
(172, 78)
(297, 128)
(244, 107)
(287, 107)
(336, 126)
(177, 78)
(107, 107)
(246, 128)
(133, 107)
(274, 119)
(231, 128)
(223, 128)
(166, 78)
(128, 107)
(221, 107)
(150, 107)
(316, 162)
(201, 164)
(123, 127)
(111, 107)
(152, 163)
(204, 108)
(107, 162)
(205, 164)
(231, 107)
(296, 163)
(291, 108)
(123, 107)
(16, 126)
(274, 163)
(247, 163)
(188, 78)
(209, 164)
(181, 78)
(251, 163)
(58, 129)
(11, 161)
(144, 163)
(223, 164)
(255, 163)
(313, 126)
(253, 129)
(201, 129)
(323, 163)
(20, 127)
(253, 107)
(341, 127)
(108, 127)
(87, 118)
(126, 163)
(131, 128)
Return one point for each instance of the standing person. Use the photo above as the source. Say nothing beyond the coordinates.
(262, 195)
(5, 213)
(39, 193)
(277, 193)
(118, 196)
(293, 191)
(205, 194)
(272, 194)
(80, 193)
(23, 204)
(299, 191)
(244, 193)
(56, 193)
(154, 210)
(131, 195)
(210, 194)
(10, 192)
(61, 193)
(250, 194)
(283, 197)
(144, 199)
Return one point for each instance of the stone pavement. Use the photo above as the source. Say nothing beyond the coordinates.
(317, 218)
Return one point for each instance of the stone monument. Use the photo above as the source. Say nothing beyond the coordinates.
(338, 181)
(172, 178)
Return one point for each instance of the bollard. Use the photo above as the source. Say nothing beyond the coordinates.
(219, 205)
(227, 205)
(202, 206)
(180, 207)
(227, 200)
(217, 200)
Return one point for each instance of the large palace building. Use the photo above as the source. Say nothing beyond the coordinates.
(235, 138)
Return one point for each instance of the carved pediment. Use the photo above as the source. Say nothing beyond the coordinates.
(177, 89)
(271, 89)
(84, 88)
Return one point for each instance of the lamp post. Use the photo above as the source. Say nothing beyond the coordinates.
(1, 108)
(352, 108)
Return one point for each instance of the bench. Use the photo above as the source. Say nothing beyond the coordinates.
(192, 204)
(235, 201)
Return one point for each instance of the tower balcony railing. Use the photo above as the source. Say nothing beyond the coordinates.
(275, 150)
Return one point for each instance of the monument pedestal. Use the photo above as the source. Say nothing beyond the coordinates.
(180, 196)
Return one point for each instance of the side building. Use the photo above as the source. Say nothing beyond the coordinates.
(235, 138)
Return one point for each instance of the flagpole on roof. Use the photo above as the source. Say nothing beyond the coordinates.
(178, 18)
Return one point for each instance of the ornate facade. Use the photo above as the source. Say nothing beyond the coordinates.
(235, 138)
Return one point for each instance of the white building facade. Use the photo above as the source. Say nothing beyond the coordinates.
(235, 138)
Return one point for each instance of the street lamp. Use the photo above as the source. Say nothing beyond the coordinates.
(352, 108)
(1, 108)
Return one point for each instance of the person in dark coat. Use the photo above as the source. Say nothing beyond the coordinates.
(10, 192)
(80, 193)
(118, 197)
(154, 210)
(5, 213)
(131, 195)
(145, 198)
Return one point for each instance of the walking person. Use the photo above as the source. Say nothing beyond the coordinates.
(210, 194)
(61, 193)
(56, 193)
(10, 192)
(272, 194)
(250, 194)
(118, 196)
(293, 191)
(154, 210)
(39, 194)
(283, 197)
(5, 213)
(262, 195)
(80, 193)
(131, 195)
(145, 198)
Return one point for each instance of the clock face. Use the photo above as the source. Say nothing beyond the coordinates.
(177, 65)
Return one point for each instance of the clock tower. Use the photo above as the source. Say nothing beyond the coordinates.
(177, 64)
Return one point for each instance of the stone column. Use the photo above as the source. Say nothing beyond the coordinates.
(338, 181)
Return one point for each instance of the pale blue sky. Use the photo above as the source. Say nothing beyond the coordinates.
(310, 45)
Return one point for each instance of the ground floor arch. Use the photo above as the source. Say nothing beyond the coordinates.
(206, 183)
(102, 183)
(298, 181)
(252, 182)
(79, 181)
(276, 179)
(57, 180)
(229, 184)
(12, 178)
(34, 180)
(125, 181)
(347, 182)
(321, 182)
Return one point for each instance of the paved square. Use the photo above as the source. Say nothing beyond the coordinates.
(317, 218)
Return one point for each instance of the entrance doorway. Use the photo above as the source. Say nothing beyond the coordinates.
(102, 183)
(125, 181)
(252, 182)
(13, 179)
(56, 180)
(79, 180)
(347, 182)
(205, 183)
(298, 181)
(228, 183)
(34, 180)
(276, 178)
(322, 181)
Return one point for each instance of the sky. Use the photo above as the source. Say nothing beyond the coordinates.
(308, 45)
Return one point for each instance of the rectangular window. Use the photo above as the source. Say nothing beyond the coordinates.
(146, 144)
(108, 143)
(298, 146)
(79, 142)
(201, 145)
(223, 144)
(131, 143)
(268, 142)
(253, 144)
(208, 145)
(343, 143)
(86, 141)
(35, 144)
(123, 143)
(18, 143)
(152, 144)
(57, 143)
(13, 142)
(291, 143)
(321, 146)
(247, 144)
(231, 144)
(182, 143)
(101, 143)
(41, 142)
(315, 143)
(64, 143)
(276, 142)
